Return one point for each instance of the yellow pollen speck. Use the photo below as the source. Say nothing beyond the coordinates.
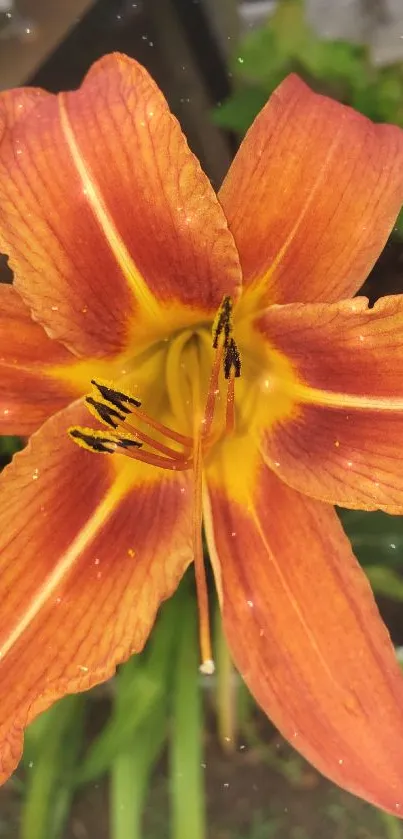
(337, 443)
(131, 552)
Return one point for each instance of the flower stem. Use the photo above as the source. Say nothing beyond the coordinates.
(186, 750)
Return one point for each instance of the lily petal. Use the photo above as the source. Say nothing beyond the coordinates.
(30, 391)
(311, 197)
(342, 442)
(83, 573)
(305, 633)
(113, 231)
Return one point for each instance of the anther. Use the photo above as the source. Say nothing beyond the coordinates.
(105, 412)
(95, 442)
(126, 443)
(90, 441)
(232, 361)
(117, 398)
(121, 402)
(223, 323)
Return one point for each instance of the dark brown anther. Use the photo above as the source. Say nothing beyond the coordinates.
(117, 398)
(97, 444)
(232, 361)
(223, 323)
(105, 412)
(105, 445)
(126, 443)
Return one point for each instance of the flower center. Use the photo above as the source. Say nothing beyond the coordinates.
(200, 383)
(199, 371)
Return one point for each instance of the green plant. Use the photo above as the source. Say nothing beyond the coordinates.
(287, 44)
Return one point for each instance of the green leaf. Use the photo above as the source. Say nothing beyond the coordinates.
(186, 741)
(140, 685)
(385, 581)
(376, 538)
(9, 445)
(258, 60)
(239, 111)
(54, 746)
(130, 774)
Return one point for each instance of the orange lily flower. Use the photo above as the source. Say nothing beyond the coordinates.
(265, 399)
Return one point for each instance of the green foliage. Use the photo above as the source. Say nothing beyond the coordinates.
(187, 732)
(8, 447)
(377, 541)
(343, 70)
(52, 749)
(376, 537)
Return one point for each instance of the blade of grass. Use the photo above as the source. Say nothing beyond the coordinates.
(132, 764)
(140, 683)
(186, 749)
(72, 756)
(123, 724)
(130, 774)
(47, 779)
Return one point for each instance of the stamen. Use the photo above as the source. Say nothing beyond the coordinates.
(115, 419)
(96, 442)
(232, 360)
(178, 465)
(117, 398)
(212, 393)
(223, 322)
(165, 430)
(122, 401)
(230, 408)
(227, 355)
(123, 413)
(155, 444)
(105, 412)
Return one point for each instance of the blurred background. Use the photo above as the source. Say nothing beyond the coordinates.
(161, 752)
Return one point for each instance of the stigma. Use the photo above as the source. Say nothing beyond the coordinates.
(134, 433)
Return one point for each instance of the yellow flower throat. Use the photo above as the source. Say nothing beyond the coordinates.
(137, 435)
(141, 436)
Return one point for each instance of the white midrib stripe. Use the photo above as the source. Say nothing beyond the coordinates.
(333, 399)
(65, 564)
(101, 213)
